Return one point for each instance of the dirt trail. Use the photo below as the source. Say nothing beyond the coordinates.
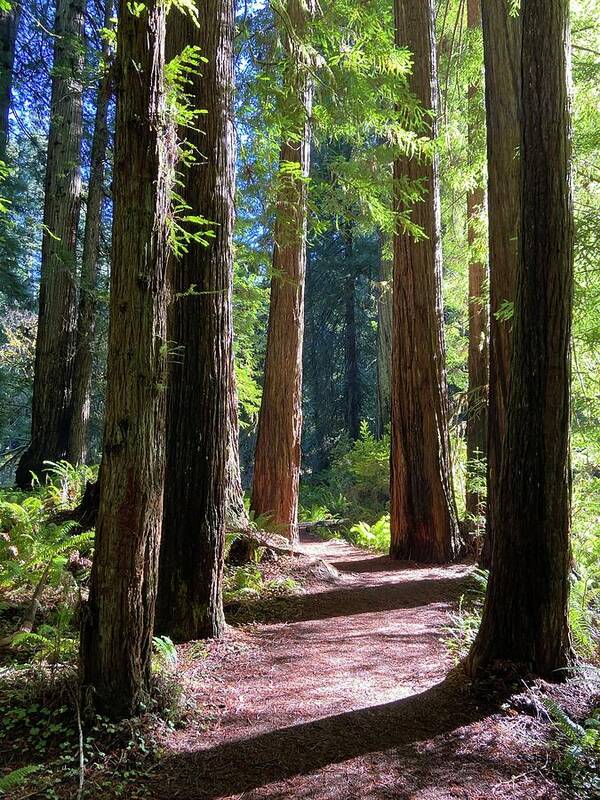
(355, 698)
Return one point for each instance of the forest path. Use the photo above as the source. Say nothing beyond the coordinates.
(353, 698)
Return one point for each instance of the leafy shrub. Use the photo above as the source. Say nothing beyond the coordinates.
(356, 486)
(364, 471)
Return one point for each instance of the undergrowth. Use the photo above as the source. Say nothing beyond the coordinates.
(575, 748)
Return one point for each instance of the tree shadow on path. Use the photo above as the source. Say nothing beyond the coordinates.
(238, 766)
(348, 600)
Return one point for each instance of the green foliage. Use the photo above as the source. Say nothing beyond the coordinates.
(584, 609)
(17, 777)
(40, 720)
(247, 580)
(246, 583)
(165, 653)
(363, 472)
(55, 642)
(577, 751)
(30, 547)
(461, 630)
(372, 537)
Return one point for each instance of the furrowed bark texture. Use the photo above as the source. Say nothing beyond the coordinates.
(277, 459)
(502, 56)
(478, 316)
(384, 345)
(200, 375)
(423, 515)
(9, 23)
(525, 617)
(86, 313)
(55, 345)
(118, 625)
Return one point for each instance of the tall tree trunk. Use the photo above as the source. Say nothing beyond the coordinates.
(86, 315)
(384, 343)
(9, 23)
(525, 614)
(351, 359)
(118, 625)
(423, 515)
(502, 56)
(235, 511)
(478, 314)
(55, 345)
(190, 602)
(277, 460)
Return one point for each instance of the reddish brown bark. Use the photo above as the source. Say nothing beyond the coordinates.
(9, 22)
(525, 617)
(117, 629)
(199, 407)
(86, 314)
(478, 316)
(423, 515)
(55, 344)
(277, 459)
(502, 56)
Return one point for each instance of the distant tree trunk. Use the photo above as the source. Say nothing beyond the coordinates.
(9, 23)
(320, 403)
(502, 55)
(423, 515)
(352, 398)
(478, 315)
(277, 459)
(384, 344)
(525, 617)
(199, 412)
(55, 345)
(117, 628)
(235, 511)
(86, 316)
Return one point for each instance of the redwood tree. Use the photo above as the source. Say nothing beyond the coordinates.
(86, 313)
(55, 344)
(422, 511)
(502, 54)
(277, 460)
(478, 308)
(525, 614)
(200, 378)
(119, 620)
(9, 21)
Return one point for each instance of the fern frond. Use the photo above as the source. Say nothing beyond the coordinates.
(17, 777)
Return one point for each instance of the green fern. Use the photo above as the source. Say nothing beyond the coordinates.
(17, 777)
(165, 652)
(577, 750)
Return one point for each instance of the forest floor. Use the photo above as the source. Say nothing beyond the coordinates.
(349, 692)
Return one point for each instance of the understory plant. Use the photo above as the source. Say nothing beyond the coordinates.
(576, 750)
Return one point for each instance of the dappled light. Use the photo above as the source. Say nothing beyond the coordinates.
(299, 399)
